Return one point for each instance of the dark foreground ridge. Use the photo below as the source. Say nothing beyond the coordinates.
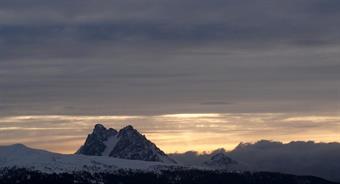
(24, 176)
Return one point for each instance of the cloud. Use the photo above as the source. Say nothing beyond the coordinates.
(127, 57)
(215, 103)
(226, 71)
(172, 132)
(303, 158)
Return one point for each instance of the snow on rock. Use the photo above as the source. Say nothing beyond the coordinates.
(97, 142)
(128, 143)
(110, 143)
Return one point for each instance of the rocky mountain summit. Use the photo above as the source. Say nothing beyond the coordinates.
(126, 143)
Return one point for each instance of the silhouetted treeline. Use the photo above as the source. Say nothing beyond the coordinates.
(24, 176)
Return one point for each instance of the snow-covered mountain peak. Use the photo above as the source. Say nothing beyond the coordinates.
(101, 130)
(99, 126)
(221, 161)
(18, 149)
(95, 143)
(128, 143)
(17, 146)
(222, 158)
(128, 128)
(14, 150)
(128, 131)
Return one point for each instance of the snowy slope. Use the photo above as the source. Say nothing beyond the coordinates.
(20, 156)
(110, 143)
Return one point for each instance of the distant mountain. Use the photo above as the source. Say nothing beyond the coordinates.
(128, 143)
(299, 157)
(217, 160)
(221, 161)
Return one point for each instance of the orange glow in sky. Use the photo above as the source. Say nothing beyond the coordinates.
(173, 132)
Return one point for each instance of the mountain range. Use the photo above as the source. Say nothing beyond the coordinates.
(297, 157)
(23, 165)
(110, 153)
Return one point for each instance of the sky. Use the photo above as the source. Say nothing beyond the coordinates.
(213, 73)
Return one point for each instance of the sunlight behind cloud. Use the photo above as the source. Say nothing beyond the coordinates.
(313, 118)
(171, 132)
(212, 115)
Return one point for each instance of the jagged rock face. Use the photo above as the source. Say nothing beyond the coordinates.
(128, 143)
(95, 142)
(133, 145)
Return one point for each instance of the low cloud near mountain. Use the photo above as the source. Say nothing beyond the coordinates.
(302, 158)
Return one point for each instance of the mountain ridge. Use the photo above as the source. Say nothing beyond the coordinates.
(127, 143)
(21, 164)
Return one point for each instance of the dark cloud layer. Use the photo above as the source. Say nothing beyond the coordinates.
(155, 57)
(302, 158)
